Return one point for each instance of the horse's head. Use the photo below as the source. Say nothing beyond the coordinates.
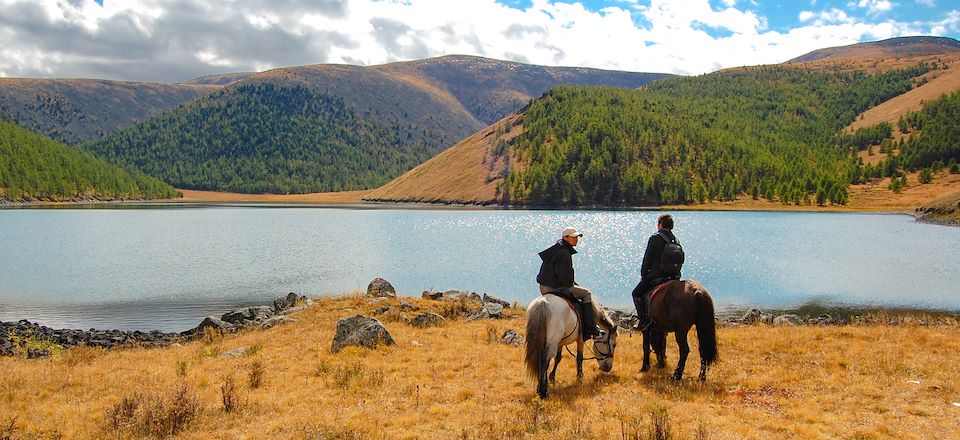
(604, 347)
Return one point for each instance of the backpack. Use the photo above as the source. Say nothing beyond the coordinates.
(671, 260)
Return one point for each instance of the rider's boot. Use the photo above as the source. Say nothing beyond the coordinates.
(590, 329)
(643, 316)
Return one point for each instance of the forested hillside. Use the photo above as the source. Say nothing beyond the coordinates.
(267, 138)
(34, 167)
(769, 132)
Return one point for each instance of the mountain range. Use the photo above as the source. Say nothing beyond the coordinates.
(520, 134)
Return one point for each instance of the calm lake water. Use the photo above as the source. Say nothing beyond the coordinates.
(167, 268)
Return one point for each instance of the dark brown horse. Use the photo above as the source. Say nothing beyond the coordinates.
(680, 306)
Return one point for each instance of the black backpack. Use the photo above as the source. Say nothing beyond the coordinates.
(671, 260)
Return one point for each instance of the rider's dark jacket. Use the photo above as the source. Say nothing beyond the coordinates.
(556, 270)
(650, 269)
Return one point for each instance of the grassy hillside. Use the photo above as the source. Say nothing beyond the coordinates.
(457, 381)
(267, 138)
(902, 47)
(77, 110)
(34, 167)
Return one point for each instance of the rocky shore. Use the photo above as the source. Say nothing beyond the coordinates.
(32, 340)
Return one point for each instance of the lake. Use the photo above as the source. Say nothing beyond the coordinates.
(167, 267)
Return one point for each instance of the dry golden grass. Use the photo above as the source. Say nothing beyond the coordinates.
(456, 381)
(466, 173)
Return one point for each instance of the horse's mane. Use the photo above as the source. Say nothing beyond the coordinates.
(600, 313)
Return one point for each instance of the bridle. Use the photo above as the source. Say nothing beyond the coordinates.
(597, 353)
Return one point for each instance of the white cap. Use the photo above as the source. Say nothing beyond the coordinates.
(570, 231)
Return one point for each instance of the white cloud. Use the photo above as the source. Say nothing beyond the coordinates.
(875, 6)
(174, 41)
(824, 17)
(930, 3)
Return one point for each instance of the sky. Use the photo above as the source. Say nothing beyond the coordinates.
(176, 40)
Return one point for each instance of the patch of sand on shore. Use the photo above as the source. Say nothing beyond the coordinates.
(343, 197)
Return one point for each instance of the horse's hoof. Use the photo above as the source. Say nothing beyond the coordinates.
(702, 378)
(677, 377)
(644, 368)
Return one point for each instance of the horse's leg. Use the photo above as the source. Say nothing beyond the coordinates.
(703, 371)
(660, 347)
(647, 339)
(556, 361)
(548, 354)
(579, 360)
(681, 335)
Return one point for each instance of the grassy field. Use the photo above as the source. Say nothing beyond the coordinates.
(458, 381)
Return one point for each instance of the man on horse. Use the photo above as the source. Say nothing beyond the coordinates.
(556, 274)
(661, 263)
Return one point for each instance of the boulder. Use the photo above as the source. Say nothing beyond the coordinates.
(275, 321)
(788, 320)
(487, 298)
(254, 313)
(381, 310)
(428, 319)
(430, 294)
(381, 288)
(36, 353)
(405, 306)
(510, 337)
(285, 302)
(452, 295)
(488, 311)
(214, 323)
(753, 316)
(360, 331)
(494, 310)
(821, 320)
(236, 352)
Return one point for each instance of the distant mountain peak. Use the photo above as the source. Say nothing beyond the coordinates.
(904, 47)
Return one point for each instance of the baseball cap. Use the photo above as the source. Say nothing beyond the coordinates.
(570, 232)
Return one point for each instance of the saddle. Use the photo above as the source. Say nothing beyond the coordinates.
(567, 296)
(660, 288)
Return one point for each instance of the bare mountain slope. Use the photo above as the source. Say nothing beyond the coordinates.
(903, 47)
(77, 110)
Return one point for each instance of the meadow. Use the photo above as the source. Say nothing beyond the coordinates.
(870, 380)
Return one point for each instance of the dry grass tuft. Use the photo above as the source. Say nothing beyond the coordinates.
(354, 375)
(229, 394)
(81, 355)
(155, 415)
(256, 374)
(8, 428)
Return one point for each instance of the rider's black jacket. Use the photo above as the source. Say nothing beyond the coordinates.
(556, 270)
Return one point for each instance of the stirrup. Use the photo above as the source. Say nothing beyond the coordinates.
(599, 335)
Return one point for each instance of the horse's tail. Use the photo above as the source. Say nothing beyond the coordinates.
(536, 338)
(706, 327)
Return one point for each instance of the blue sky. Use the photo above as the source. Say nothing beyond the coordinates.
(782, 16)
(171, 41)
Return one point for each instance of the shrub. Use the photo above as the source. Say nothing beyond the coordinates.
(156, 415)
(925, 176)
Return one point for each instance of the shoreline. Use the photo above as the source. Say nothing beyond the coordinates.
(34, 339)
(363, 204)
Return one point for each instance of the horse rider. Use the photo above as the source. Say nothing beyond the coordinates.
(556, 274)
(657, 268)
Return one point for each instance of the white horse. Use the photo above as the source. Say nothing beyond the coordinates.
(551, 324)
